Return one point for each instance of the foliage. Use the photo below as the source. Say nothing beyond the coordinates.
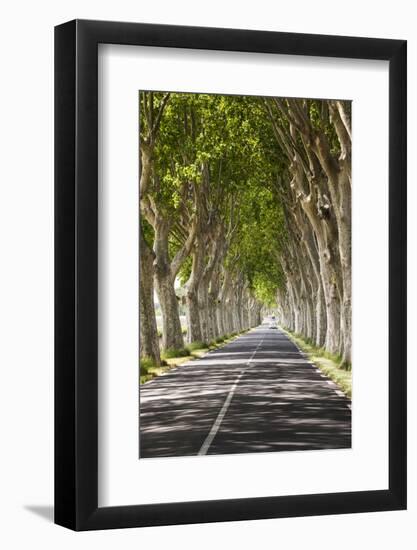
(252, 195)
(171, 353)
(197, 345)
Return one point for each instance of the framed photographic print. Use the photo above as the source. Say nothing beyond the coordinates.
(230, 337)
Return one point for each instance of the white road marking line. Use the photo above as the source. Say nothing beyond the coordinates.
(339, 393)
(257, 347)
(215, 428)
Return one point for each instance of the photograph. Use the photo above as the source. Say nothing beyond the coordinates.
(245, 274)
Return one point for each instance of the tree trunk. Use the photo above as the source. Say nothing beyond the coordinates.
(339, 180)
(194, 333)
(193, 317)
(320, 312)
(149, 340)
(213, 300)
(171, 333)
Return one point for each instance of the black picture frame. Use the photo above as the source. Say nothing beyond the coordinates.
(76, 272)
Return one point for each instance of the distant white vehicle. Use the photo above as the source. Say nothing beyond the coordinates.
(270, 320)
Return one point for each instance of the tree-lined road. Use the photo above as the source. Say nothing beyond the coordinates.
(258, 393)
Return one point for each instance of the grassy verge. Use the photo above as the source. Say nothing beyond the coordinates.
(173, 358)
(329, 364)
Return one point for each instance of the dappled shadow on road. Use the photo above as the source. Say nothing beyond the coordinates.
(177, 411)
(281, 403)
(282, 408)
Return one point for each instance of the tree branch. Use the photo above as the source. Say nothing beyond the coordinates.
(182, 254)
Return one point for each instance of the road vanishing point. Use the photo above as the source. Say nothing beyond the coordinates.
(258, 393)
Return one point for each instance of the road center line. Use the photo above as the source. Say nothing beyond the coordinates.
(215, 428)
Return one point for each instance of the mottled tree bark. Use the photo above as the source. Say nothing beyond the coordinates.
(164, 281)
(149, 340)
(194, 332)
(171, 325)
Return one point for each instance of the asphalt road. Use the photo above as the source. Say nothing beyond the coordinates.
(257, 394)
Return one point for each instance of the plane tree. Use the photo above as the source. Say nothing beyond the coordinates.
(245, 209)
